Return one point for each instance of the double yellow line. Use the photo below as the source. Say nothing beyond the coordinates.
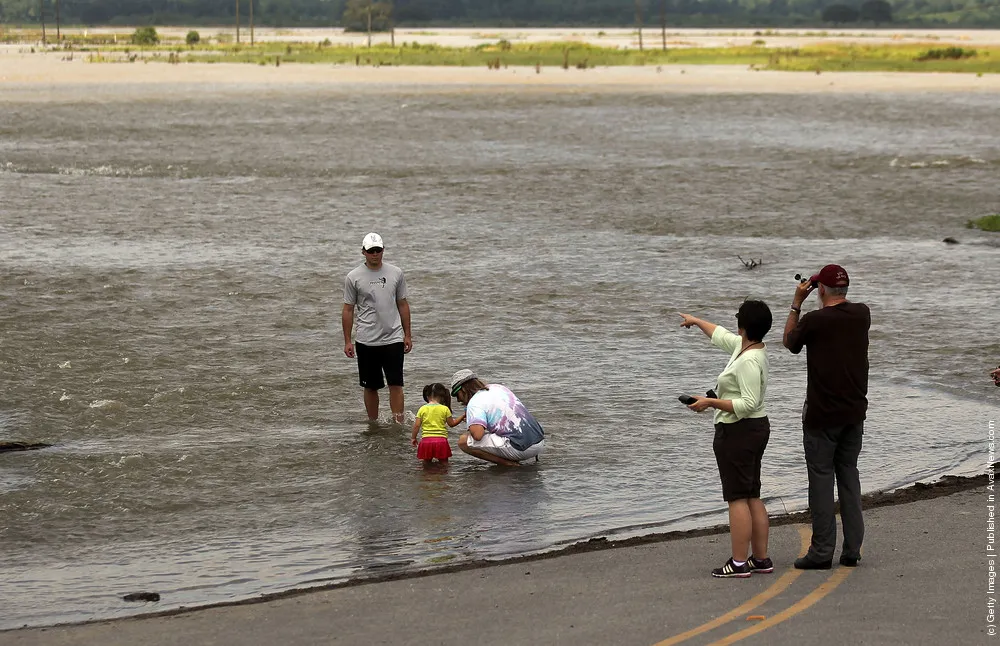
(776, 588)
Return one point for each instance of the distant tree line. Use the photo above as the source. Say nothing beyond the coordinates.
(510, 13)
(874, 11)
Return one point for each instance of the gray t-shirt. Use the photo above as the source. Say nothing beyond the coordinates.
(373, 293)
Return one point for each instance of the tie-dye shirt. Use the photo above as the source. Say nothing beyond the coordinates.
(499, 411)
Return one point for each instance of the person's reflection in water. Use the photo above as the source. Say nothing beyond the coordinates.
(432, 470)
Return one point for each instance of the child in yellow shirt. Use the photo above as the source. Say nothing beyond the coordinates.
(433, 419)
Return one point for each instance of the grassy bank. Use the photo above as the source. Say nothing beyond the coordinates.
(867, 58)
(986, 223)
(909, 57)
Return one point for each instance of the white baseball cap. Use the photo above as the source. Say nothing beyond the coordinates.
(372, 240)
(460, 378)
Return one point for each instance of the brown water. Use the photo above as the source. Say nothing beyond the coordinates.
(172, 273)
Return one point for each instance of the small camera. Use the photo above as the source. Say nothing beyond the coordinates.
(802, 279)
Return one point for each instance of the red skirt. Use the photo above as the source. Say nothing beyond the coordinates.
(433, 447)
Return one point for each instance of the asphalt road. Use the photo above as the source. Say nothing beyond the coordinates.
(922, 580)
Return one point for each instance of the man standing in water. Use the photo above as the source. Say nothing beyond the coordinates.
(376, 293)
(836, 336)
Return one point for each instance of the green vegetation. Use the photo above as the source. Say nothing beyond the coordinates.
(986, 223)
(915, 57)
(510, 13)
(192, 38)
(881, 58)
(145, 36)
(947, 53)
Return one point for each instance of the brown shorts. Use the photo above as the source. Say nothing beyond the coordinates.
(739, 448)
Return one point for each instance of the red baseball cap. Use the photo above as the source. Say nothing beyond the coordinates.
(832, 276)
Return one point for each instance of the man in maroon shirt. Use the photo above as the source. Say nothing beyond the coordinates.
(836, 339)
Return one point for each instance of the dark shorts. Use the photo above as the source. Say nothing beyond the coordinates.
(376, 360)
(739, 448)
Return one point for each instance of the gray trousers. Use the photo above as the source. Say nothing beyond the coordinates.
(834, 452)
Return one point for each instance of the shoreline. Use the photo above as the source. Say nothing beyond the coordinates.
(48, 76)
(594, 35)
(27, 67)
(944, 486)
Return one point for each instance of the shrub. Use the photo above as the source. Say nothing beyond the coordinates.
(192, 38)
(986, 223)
(145, 36)
(947, 53)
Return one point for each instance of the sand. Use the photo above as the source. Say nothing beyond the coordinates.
(35, 76)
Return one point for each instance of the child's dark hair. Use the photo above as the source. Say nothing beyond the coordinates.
(439, 392)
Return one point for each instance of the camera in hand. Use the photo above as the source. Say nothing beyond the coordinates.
(802, 279)
(687, 400)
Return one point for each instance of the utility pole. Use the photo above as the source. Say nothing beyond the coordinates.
(369, 24)
(638, 21)
(237, 22)
(251, 23)
(58, 35)
(41, 16)
(663, 23)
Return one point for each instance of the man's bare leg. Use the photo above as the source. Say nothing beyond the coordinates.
(396, 403)
(483, 455)
(371, 404)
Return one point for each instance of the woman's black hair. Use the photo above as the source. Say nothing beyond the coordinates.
(755, 318)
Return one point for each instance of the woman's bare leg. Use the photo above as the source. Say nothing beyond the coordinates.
(761, 526)
(483, 455)
(740, 528)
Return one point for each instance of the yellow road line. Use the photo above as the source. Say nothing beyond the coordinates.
(821, 591)
(774, 590)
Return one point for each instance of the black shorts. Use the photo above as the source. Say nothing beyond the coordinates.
(374, 360)
(739, 448)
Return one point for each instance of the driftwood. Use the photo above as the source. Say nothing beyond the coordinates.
(751, 264)
(141, 596)
(21, 446)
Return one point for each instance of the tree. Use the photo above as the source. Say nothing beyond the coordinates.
(145, 36)
(663, 23)
(877, 11)
(840, 13)
(355, 16)
(638, 21)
